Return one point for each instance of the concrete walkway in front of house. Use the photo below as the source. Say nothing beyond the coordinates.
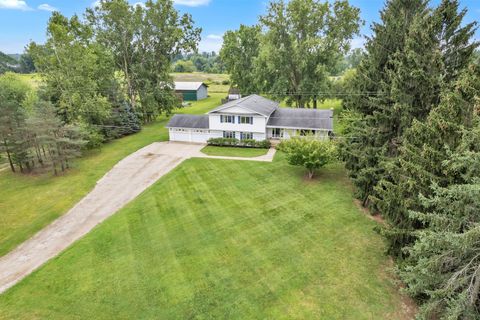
(123, 183)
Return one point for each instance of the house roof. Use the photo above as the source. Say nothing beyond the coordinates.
(301, 119)
(188, 121)
(188, 86)
(254, 103)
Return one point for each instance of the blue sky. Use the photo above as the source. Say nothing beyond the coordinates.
(25, 20)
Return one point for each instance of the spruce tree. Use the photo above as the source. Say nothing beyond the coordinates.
(443, 267)
(424, 149)
(382, 79)
(455, 40)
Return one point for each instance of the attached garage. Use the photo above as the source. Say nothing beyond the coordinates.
(189, 128)
(192, 91)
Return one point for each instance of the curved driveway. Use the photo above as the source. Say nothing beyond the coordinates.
(125, 181)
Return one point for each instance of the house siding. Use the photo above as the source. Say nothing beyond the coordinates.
(258, 126)
(265, 119)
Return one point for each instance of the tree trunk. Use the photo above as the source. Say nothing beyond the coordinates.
(12, 167)
(299, 101)
(365, 201)
(314, 102)
(54, 164)
(311, 173)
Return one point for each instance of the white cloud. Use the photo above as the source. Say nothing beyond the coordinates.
(14, 4)
(212, 42)
(358, 42)
(47, 7)
(215, 37)
(140, 4)
(192, 3)
(97, 3)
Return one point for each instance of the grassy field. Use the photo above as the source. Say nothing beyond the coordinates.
(28, 203)
(221, 239)
(216, 82)
(234, 152)
(49, 197)
(32, 79)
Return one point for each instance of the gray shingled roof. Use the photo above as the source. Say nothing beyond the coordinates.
(254, 103)
(301, 119)
(188, 121)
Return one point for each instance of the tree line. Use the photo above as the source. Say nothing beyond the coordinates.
(31, 134)
(103, 75)
(16, 63)
(292, 51)
(412, 149)
(208, 62)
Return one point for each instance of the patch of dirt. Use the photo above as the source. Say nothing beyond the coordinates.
(406, 306)
(375, 217)
(306, 179)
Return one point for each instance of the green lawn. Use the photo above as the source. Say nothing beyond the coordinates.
(234, 152)
(29, 203)
(221, 239)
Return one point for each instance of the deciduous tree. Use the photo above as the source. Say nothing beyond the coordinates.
(239, 53)
(304, 39)
(144, 40)
(312, 154)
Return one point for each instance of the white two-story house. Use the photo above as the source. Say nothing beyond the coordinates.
(251, 117)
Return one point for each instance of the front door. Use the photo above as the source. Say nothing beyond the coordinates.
(277, 133)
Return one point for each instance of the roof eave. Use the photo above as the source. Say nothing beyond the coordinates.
(298, 128)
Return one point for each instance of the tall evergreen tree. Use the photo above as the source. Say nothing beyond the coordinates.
(400, 83)
(455, 38)
(425, 147)
(443, 267)
(377, 84)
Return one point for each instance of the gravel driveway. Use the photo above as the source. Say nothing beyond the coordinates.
(124, 182)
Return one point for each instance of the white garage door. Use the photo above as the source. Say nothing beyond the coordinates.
(200, 136)
(186, 135)
(183, 136)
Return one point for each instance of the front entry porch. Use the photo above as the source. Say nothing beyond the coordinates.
(287, 133)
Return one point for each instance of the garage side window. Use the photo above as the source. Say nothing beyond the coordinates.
(229, 134)
(227, 119)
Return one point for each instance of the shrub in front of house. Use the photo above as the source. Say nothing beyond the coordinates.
(231, 142)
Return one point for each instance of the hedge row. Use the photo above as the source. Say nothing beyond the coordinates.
(231, 142)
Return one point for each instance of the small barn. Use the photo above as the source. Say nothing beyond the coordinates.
(191, 91)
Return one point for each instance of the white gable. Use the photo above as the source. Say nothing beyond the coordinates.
(236, 110)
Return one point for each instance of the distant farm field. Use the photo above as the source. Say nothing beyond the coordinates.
(216, 82)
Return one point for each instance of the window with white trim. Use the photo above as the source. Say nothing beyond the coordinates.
(246, 136)
(245, 120)
(229, 134)
(227, 119)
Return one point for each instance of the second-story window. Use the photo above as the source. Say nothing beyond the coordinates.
(245, 120)
(227, 119)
